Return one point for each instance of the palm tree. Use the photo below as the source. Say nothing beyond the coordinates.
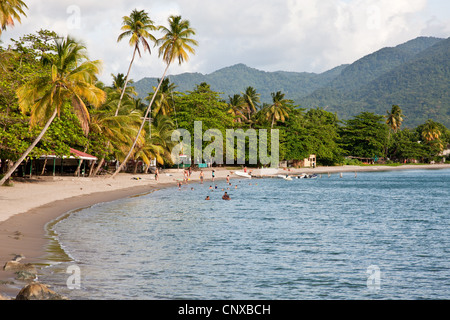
(71, 81)
(117, 93)
(279, 109)
(137, 27)
(394, 118)
(162, 129)
(236, 105)
(251, 100)
(10, 10)
(430, 131)
(117, 131)
(176, 44)
(164, 99)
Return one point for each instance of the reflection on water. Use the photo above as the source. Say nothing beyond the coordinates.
(275, 239)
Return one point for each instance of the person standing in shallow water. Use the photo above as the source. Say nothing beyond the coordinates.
(201, 176)
(226, 196)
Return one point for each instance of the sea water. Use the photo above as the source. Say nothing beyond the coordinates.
(374, 235)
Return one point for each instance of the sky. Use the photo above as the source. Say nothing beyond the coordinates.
(269, 35)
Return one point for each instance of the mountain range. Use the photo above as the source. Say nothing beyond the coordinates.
(414, 75)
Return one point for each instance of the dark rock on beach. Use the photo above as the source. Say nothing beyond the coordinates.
(38, 291)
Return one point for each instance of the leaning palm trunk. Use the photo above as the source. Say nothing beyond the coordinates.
(142, 125)
(100, 164)
(35, 142)
(126, 82)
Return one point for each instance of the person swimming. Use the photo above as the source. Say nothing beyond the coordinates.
(226, 196)
(207, 198)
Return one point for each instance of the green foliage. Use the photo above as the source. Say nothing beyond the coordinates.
(365, 135)
(414, 75)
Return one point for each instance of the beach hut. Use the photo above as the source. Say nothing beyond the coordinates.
(307, 162)
(74, 164)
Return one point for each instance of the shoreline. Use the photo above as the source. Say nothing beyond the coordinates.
(23, 224)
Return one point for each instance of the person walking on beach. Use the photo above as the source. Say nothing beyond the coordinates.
(156, 174)
(213, 173)
(201, 176)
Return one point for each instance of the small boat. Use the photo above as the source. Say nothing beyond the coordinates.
(285, 177)
(307, 176)
(243, 174)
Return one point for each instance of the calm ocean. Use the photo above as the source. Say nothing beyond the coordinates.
(380, 235)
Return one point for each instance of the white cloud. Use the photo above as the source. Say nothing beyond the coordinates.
(291, 35)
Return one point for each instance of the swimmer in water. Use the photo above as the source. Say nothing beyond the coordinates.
(207, 198)
(226, 196)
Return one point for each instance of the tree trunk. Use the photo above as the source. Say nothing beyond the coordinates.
(77, 172)
(142, 125)
(43, 168)
(91, 167)
(100, 164)
(35, 142)
(126, 82)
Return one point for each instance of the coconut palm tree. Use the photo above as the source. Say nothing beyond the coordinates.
(176, 44)
(251, 100)
(236, 105)
(279, 109)
(11, 10)
(431, 134)
(117, 131)
(430, 131)
(71, 81)
(164, 99)
(394, 118)
(137, 26)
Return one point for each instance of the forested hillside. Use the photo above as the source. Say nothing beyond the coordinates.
(414, 75)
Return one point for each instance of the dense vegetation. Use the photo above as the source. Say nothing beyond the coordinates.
(51, 101)
(414, 75)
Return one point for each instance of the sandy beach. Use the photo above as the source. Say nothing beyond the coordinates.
(30, 204)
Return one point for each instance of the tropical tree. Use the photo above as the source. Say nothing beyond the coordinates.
(279, 109)
(176, 44)
(137, 26)
(251, 100)
(365, 135)
(236, 104)
(430, 131)
(71, 82)
(11, 10)
(431, 134)
(164, 99)
(110, 134)
(394, 118)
